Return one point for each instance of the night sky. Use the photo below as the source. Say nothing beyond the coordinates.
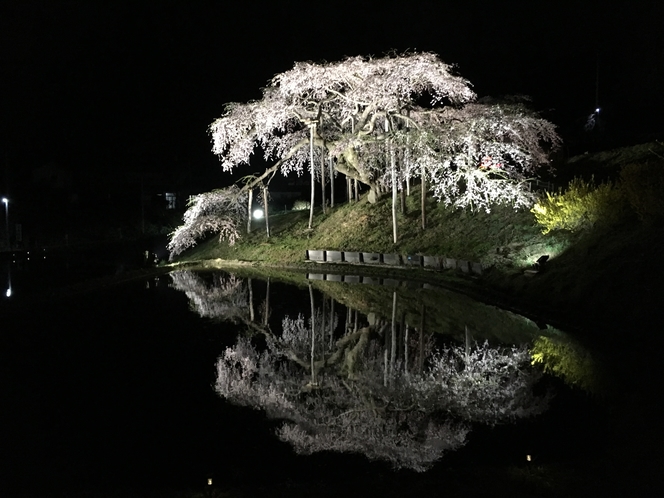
(120, 88)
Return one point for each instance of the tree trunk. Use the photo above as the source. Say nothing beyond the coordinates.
(313, 334)
(405, 351)
(467, 345)
(251, 198)
(423, 195)
(393, 352)
(251, 300)
(394, 194)
(311, 169)
(420, 362)
(406, 160)
(266, 316)
(331, 167)
(331, 322)
(385, 362)
(267, 214)
(323, 325)
(322, 179)
(403, 182)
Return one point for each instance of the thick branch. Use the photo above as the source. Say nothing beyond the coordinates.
(348, 99)
(275, 167)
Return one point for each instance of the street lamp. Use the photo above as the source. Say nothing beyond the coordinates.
(6, 201)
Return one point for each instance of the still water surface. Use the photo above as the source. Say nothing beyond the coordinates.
(170, 380)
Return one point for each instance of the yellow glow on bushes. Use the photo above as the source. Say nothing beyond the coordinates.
(579, 207)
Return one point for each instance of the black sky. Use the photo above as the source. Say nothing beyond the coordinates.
(124, 86)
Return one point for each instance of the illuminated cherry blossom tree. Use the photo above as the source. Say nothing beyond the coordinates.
(221, 211)
(385, 119)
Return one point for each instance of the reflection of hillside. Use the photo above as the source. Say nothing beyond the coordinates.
(450, 313)
(446, 312)
(227, 297)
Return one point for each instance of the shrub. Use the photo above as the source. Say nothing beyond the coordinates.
(579, 207)
(301, 205)
(643, 186)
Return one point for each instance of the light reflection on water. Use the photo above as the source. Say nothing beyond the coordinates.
(8, 279)
(401, 375)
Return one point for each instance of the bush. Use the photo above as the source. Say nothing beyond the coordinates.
(580, 207)
(300, 205)
(643, 186)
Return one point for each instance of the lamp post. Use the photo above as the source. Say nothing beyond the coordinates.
(6, 201)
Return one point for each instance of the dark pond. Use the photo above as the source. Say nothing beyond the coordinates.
(166, 381)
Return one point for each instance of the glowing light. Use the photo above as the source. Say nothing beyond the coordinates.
(209, 482)
(258, 214)
(529, 458)
(9, 292)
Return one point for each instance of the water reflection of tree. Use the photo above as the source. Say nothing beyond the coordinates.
(226, 297)
(359, 396)
(375, 386)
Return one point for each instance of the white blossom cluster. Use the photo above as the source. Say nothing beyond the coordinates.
(226, 298)
(296, 335)
(237, 373)
(221, 211)
(462, 384)
(408, 440)
(364, 110)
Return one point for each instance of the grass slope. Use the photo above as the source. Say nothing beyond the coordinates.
(504, 237)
